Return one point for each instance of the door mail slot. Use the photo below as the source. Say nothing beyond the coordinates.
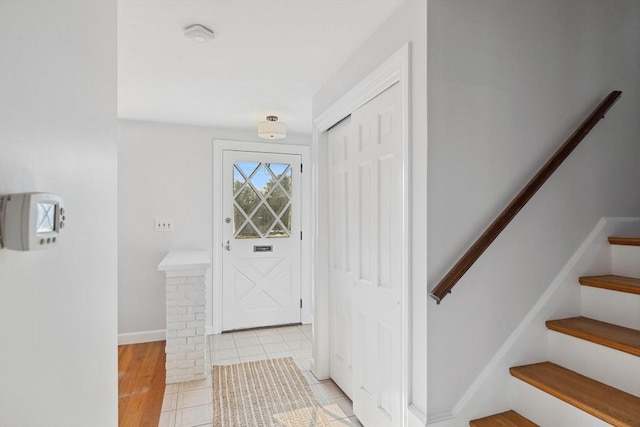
(266, 248)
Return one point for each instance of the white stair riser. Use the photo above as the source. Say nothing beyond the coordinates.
(625, 260)
(619, 308)
(548, 411)
(615, 368)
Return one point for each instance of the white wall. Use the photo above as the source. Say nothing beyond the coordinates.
(58, 324)
(164, 170)
(407, 25)
(508, 82)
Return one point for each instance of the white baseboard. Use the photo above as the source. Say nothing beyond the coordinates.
(415, 417)
(140, 337)
(150, 336)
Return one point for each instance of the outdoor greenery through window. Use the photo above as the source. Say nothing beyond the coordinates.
(262, 200)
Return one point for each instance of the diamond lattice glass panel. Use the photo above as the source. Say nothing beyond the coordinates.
(238, 219)
(263, 180)
(286, 219)
(262, 219)
(247, 168)
(278, 231)
(286, 181)
(278, 168)
(278, 199)
(247, 200)
(248, 232)
(238, 180)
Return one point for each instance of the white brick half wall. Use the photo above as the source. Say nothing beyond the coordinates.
(186, 278)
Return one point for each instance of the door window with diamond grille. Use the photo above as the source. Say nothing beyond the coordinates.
(262, 200)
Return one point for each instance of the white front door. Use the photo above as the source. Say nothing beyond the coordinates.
(261, 239)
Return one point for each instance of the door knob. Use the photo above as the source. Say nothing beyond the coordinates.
(227, 246)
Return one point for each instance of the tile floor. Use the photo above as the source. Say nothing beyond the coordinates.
(189, 404)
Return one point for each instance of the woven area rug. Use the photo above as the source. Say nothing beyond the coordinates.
(264, 393)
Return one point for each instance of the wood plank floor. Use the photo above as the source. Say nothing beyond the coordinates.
(141, 377)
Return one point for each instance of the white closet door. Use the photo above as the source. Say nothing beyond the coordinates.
(366, 257)
(377, 219)
(341, 238)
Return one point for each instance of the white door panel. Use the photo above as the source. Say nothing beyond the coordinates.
(261, 239)
(366, 257)
(377, 295)
(341, 278)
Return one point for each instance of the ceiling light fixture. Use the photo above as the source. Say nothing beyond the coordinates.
(198, 33)
(272, 129)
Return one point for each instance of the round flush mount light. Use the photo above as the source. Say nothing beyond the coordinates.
(272, 129)
(198, 33)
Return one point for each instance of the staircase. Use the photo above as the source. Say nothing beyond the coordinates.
(592, 377)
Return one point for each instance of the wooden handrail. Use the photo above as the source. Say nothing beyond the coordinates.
(473, 253)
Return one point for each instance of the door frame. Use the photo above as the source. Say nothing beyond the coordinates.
(395, 70)
(219, 146)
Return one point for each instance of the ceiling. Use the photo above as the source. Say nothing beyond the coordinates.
(267, 57)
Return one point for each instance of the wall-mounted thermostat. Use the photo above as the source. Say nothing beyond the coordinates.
(31, 221)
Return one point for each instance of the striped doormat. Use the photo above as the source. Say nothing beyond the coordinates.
(264, 393)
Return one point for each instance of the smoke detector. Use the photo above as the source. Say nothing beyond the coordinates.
(198, 33)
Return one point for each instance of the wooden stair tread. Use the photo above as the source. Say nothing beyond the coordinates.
(628, 241)
(600, 400)
(504, 419)
(606, 334)
(615, 283)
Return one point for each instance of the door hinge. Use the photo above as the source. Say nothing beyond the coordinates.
(300, 167)
(301, 303)
(301, 235)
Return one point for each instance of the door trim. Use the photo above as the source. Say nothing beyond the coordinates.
(219, 146)
(395, 70)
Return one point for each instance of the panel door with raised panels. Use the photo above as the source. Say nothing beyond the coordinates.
(377, 217)
(341, 255)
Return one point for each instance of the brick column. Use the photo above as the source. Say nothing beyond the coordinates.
(186, 278)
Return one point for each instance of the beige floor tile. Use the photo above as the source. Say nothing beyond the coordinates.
(254, 357)
(267, 332)
(244, 334)
(303, 364)
(311, 379)
(280, 354)
(233, 361)
(194, 416)
(201, 396)
(305, 353)
(293, 336)
(334, 411)
(247, 341)
(268, 339)
(275, 347)
(331, 389)
(167, 419)
(351, 421)
(228, 353)
(192, 385)
(169, 402)
(300, 344)
(250, 351)
(171, 388)
(345, 405)
(288, 329)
